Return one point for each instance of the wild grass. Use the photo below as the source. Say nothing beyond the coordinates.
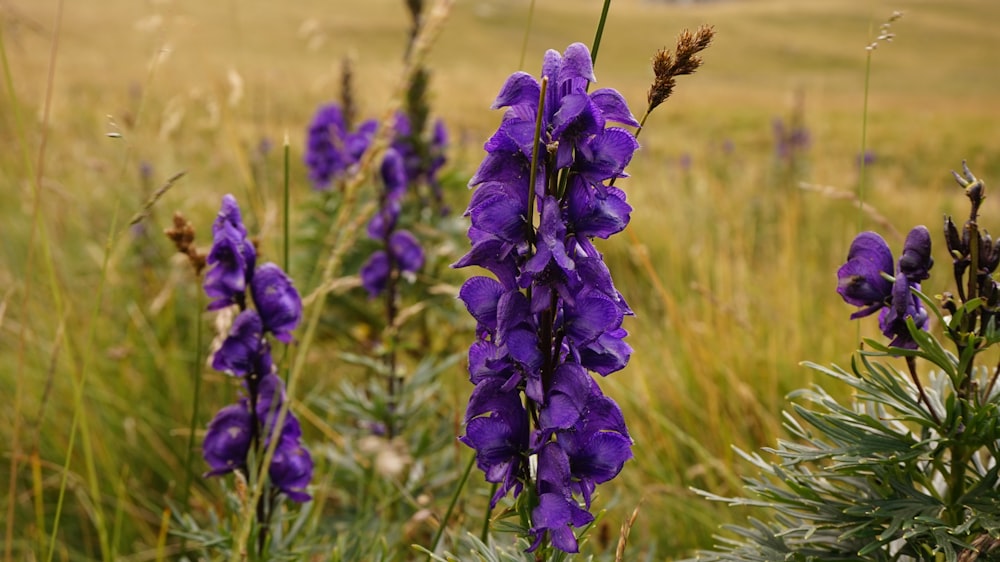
(729, 265)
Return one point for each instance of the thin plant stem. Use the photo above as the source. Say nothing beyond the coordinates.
(992, 383)
(196, 380)
(911, 365)
(452, 503)
(600, 32)
(863, 169)
(19, 378)
(486, 519)
(286, 225)
(533, 175)
(527, 30)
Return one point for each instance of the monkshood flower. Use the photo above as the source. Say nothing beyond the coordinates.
(331, 149)
(867, 281)
(268, 304)
(400, 249)
(552, 316)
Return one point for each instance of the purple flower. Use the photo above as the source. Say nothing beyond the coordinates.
(332, 150)
(231, 433)
(557, 511)
(375, 273)
(867, 280)
(244, 351)
(277, 300)
(860, 281)
(227, 440)
(552, 315)
(291, 469)
(497, 428)
(404, 247)
(231, 260)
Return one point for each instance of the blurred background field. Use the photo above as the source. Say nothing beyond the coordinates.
(728, 262)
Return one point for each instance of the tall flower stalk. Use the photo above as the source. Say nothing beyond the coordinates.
(537, 419)
(265, 302)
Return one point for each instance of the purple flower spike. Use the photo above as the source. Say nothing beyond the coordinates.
(277, 300)
(860, 281)
(227, 440)
(916, 261)
(553, 316)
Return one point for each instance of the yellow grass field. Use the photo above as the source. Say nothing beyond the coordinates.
(728, 262)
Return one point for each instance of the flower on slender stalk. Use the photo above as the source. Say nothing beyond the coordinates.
(867, 280)
(552, 316)
(269, 304)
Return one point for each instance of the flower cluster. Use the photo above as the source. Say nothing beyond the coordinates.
(552, 314)
(332, 152)
(867, 280)
(400, 249)
(249, 425)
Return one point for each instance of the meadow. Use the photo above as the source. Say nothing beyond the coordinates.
(729, 261)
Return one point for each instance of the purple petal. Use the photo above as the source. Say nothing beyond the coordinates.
(375, 273)
(481, 295)
(613, 106)
(291, 469)
(916, 261)
(277, 300)
(576, 63)
(239, 353)
(520, 88)
(860, 281)
(227, 441)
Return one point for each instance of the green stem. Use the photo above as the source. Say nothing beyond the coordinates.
(862, 173)
(196, 376)
(533, 175)
(486, 519)
(527, 29)
(600, 32)
(451, 505)
(287, 205)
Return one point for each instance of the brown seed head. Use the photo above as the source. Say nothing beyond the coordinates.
(668, 66)
(182, 235)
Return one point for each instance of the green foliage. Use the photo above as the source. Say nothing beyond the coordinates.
(901, 470)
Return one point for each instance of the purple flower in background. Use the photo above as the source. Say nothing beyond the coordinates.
(332, 150)
(866, 159)
(552, 316)
(867, 280)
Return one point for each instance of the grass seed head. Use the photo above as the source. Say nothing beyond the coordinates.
(684, 60)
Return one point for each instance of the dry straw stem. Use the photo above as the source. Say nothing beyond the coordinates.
(147, 207)
(625, 531)
(837, 193)
(343, 232)
(684, 60)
